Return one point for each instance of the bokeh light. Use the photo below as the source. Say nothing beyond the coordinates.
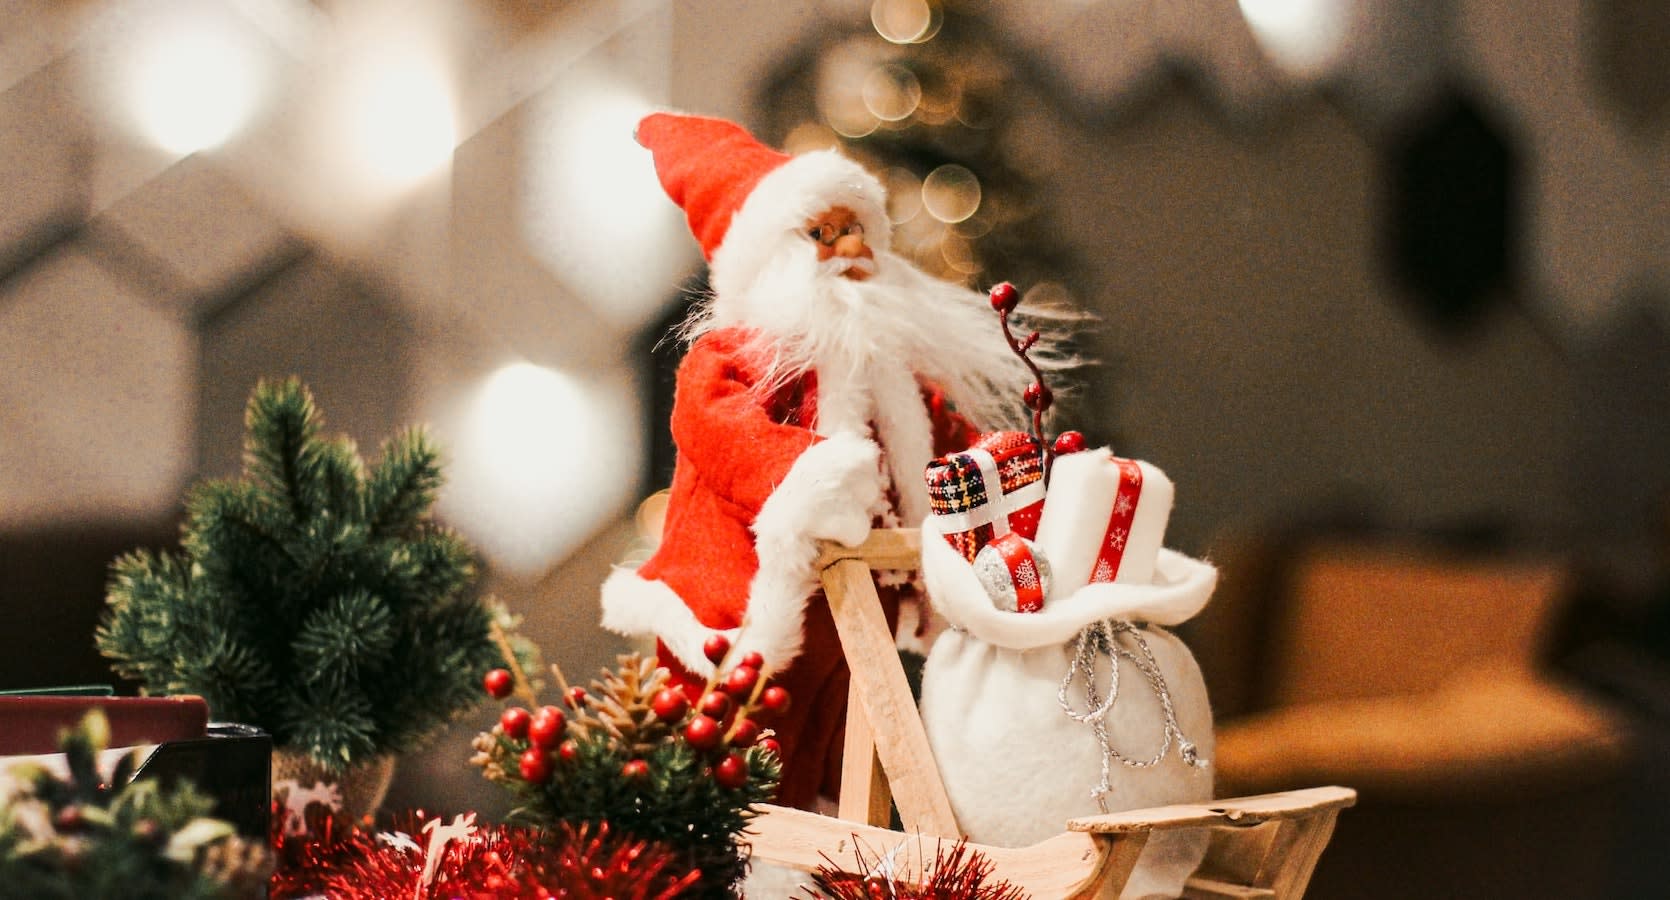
(959, 255)
(191, 80)
(840, 89)
(906, 21)
(904, 194)
(594, 209)
(1303, 37)
(397, 111)
(545, 458)
(951, 193)
(891, 93)
(809, 136)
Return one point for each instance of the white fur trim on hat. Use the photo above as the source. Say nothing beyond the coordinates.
(782, 202)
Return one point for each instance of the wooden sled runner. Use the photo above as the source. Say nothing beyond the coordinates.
(1262, 846)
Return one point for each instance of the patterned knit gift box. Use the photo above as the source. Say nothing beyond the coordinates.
(988, 490)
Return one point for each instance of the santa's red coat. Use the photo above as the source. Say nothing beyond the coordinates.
(735, 449)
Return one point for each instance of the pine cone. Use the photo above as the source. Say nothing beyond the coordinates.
(620, 703)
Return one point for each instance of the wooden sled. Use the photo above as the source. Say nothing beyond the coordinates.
(1263, 846)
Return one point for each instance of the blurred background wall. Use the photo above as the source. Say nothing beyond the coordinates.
(1387, 264)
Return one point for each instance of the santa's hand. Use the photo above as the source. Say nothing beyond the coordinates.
(828, 494)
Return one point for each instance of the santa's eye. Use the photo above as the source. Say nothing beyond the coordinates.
(855, 228)
(824, 233)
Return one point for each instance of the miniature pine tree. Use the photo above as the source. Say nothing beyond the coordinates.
(311, 597)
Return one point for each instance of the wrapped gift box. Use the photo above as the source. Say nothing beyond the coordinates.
(990, 489)
(1106, 519)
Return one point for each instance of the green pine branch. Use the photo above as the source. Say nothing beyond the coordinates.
(403, 485)
(313, 596)
(92, 836)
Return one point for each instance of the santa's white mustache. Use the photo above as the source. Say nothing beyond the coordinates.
(837, 266)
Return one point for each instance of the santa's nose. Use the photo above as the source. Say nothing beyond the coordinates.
(851, 246)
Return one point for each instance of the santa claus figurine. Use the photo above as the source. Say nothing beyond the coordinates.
(822, 375)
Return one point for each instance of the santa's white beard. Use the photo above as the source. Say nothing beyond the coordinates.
(810, 317)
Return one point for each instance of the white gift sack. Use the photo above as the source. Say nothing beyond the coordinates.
(1016, 765)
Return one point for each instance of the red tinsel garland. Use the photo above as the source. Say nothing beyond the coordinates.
(955, 874)
(495, 862)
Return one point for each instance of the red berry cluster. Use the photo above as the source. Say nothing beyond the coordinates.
(542, 729)
(722, 725)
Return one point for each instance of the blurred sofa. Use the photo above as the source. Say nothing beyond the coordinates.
(1416, 671)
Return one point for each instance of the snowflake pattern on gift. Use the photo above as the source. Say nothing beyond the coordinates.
(1026, 577)
(1116, 539)
(1122, 504)
(1102, 572)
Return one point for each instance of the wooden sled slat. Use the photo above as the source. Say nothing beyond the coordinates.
(1262, 846)
(1234, 811)
(867, 797)
(896, 734)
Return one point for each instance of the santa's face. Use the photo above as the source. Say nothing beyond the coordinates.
(824, 298)
(839, 235)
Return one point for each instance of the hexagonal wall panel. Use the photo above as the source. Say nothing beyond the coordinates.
(348, 345)
(196, 229)
(43, 162)
(96, 406)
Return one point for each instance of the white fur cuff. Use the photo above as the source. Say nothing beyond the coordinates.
(634, 606)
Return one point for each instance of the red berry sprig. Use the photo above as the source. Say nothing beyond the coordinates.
(715, 648)
(640, 710)
(721, 724)
(703, 732)
(1069, 442)
(534, 765)
(498, 683)
(670, 704)
(732, 771)
(1037, 396)
(775, 699)
(547, 727)
(515, 722)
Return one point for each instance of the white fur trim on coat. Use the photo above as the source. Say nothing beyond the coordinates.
(781, 203)
(828, 494)
(636, 606)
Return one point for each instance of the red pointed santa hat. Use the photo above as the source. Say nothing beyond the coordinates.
(743, 199)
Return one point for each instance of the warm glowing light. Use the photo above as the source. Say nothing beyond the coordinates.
(1301, 36)
(840, 89)
(398, 112)
(545, 458)
(615, 184)
(891, 93)
(981, 223)
(951, 193)
(595, 211)
(192, 82)
(905, 21)
(959, 255)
